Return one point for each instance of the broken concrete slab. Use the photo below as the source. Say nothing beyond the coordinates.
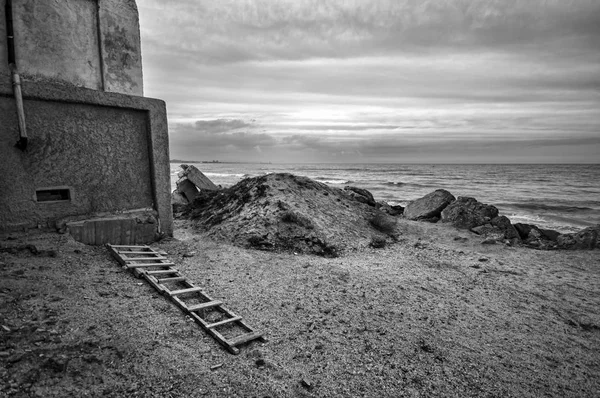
(116, 230)
(197, 178)
(187, 189)
(178, 199)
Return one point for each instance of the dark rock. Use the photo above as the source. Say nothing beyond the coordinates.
(360, 195)
(397, 209)
(306, 383)
(534, 237)
(389, 209)
(524, 229)
(550, 234)
(430, 205)
(504, 224)
(467, 213)
(588, 238)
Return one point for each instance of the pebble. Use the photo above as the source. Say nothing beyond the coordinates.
(306, 383)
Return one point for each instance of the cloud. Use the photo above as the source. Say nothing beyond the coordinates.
(220, 125)
(217, 137)
(236, 31)
(313, 80)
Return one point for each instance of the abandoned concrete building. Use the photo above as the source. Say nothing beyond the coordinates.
(80, 147)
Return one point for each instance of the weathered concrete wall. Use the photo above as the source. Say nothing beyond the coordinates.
(3, 49)
(87, 43)
(58, 40)
(110, 149)
(121, 51)
(100, 153)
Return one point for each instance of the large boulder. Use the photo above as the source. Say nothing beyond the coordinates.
(467, 213)
(536, 237)
(499, 229)
(429, 206)
(360, 195)
(588, 238)
(524, 229)
(510, 232)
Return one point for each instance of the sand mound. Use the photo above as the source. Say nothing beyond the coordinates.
(291, 213)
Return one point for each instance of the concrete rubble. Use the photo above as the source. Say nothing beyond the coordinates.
(191, 182)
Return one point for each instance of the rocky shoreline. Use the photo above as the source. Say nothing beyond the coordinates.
(282, 211)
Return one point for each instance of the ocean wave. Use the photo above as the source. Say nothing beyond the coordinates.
(208, 174)
(546, 207)
(525, 218)
(408, 184)
(332, 181)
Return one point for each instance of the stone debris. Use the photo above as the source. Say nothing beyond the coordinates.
(187, 189)
(198, 178)
(429, 207)
(467, 213)
(191, 182)
(361, 195)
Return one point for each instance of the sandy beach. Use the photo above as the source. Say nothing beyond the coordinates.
(435, 314)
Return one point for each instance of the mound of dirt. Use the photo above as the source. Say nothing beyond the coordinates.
(291, 213)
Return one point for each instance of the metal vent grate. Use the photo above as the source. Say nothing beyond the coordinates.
(53, 195)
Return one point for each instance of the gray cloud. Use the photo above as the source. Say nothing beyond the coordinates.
(234, 31)
(376, 79)
(220, 125)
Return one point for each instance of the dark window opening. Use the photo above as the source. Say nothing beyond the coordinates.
(52, 195)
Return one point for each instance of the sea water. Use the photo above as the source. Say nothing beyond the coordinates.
(561, 197)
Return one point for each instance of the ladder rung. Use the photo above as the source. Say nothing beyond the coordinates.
(224, 322)
(131, 246)
(173, 279)
(183, 291)
(143, 265)
(145, 258)
(162, 271)
(148, 252)
(245, 338)
(196, 307)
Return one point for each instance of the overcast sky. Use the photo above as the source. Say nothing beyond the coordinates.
(403, 81)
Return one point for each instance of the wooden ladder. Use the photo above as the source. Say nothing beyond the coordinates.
(158, 271)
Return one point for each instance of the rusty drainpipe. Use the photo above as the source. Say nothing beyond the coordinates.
(16, 80)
